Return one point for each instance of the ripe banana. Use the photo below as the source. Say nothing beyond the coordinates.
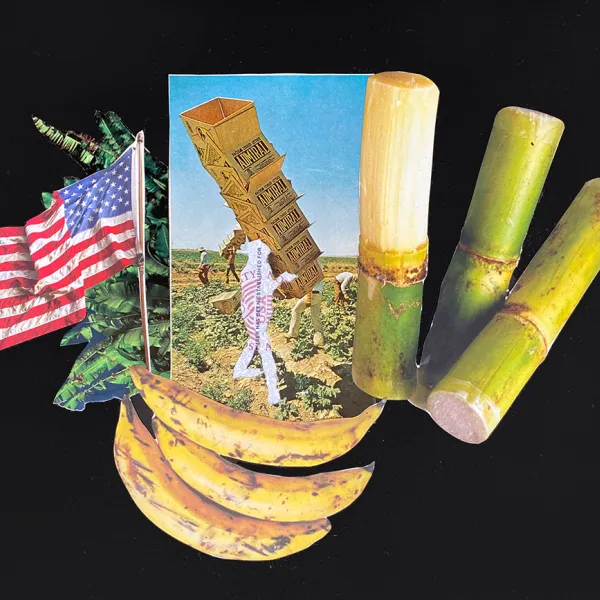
(256, 494)
(189, 517)
(248, 437)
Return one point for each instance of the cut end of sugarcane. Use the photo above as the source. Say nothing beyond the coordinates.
(403, 80)
(457, 417)
(538, 126)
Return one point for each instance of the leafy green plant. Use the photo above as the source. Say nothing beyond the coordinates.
(282, 372)
(196, 353)
(286, 410)
(215, 391)
(339, 334)
(220, 333)
(113, 333)
(285, 378)
(327, 293)
(303, 348)
(303, 382)
(241, 400)
(193, 315)
(319, 398)
(112, 328)
(281, 316)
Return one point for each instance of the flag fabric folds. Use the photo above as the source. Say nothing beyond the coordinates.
(89, 233)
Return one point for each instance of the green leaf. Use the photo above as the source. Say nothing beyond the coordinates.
(104, 364)
(84, 331)
(115, 299)
(83, 149)
(115, 132)
(96, 366)
(70, 180)
(153, 267)
(132, 339)
(112, 328)
(160, 243)
(46, 199)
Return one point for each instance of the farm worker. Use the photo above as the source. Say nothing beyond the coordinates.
(340, 284)
(204, 265)
(312, 300)
(231, 265)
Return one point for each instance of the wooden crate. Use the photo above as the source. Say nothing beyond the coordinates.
(227, 302)
(228, 139)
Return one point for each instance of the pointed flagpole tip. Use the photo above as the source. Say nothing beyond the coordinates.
(140, 136)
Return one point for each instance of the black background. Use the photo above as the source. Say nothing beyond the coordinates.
(516, 517)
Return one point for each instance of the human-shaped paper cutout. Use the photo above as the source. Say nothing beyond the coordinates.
(258, 285)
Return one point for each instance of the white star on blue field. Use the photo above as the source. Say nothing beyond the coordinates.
(101, 195)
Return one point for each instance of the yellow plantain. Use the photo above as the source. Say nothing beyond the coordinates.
(191, 518)
(248, 437)
(256, 494)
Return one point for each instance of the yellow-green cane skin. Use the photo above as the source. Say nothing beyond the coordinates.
(518, 157)
(386, 338)
(472, 291)
(495, 367)
(558, 276)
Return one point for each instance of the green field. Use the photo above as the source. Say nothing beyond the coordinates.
(315, 383)
(186, 259)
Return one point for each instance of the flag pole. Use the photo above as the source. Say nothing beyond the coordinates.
(141, 245)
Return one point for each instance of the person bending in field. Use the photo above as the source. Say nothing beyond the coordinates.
(340, 284)
(312, 300)
(204, 266)
(231, 266)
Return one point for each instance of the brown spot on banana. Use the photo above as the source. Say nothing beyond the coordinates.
(306, 457)
(278, 543)
(139, 465)
(253, 548)
(140, 487)
(243, 424)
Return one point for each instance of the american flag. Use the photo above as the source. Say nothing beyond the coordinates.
(88, 234)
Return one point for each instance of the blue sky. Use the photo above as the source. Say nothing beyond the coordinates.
(316, 120)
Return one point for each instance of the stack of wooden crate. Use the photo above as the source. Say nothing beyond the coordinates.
(248, 170)
(234, 241)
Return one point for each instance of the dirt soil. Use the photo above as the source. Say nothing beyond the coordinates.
(320, 366)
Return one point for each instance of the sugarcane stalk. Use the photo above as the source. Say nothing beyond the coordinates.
(395, 179)
(519, 153)
(472, 398)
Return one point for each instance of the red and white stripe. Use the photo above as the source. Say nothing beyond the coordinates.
(87, 258)
(255, 311)
(23, 314)
(44, 272)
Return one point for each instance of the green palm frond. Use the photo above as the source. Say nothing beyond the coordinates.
(101, 372)
(112, 327)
